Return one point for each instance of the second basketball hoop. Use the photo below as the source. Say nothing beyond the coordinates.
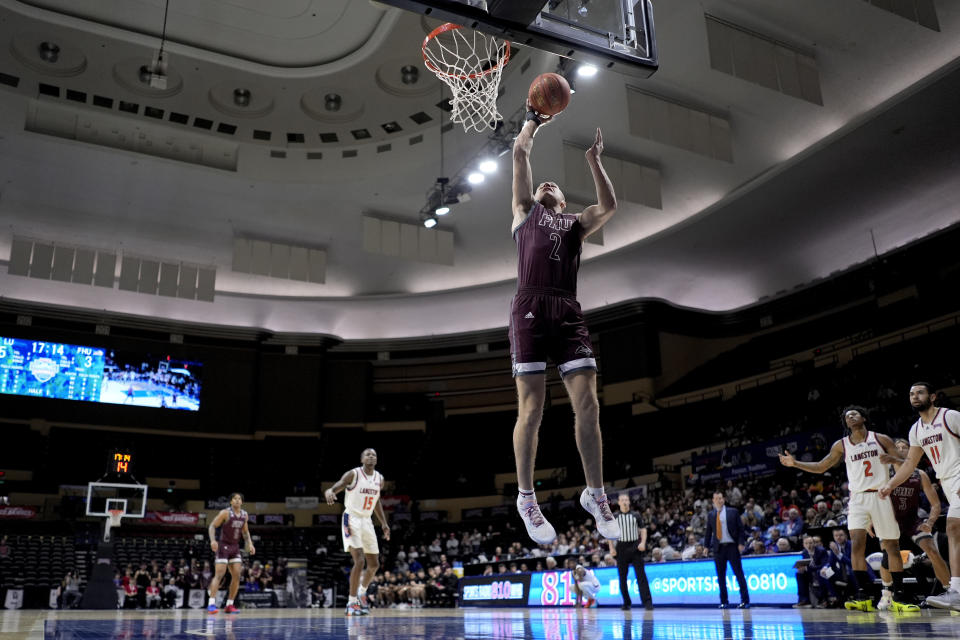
(470, 63)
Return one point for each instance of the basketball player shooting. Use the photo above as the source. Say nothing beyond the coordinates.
(546, 322)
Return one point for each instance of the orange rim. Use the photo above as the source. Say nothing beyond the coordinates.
(449, 26)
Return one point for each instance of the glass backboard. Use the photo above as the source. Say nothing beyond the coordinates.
(612, 34)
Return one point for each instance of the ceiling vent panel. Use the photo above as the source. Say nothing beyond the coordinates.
(635, 182)
(279, 260)
(61, 262)
(408, 241)
(671, 123)
(105, 129)
(923, 12)
(761, 60)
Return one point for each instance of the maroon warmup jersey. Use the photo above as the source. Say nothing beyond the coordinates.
(906, 502)
(545, 318)
(231, 533)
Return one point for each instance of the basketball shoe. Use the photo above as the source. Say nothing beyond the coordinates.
(949, 599)
(212, 609)
(230, 609)
(364, 604)
(599, 508)
(353, 609)
(539, 530)
(860, 602)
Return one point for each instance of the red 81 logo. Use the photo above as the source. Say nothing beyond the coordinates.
(549, 596)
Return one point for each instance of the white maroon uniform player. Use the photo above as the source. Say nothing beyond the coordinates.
(866, 475)
(940, 440)
(359, 501)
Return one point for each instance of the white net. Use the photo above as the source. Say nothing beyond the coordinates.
(470, 63)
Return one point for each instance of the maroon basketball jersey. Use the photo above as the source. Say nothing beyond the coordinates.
(548, 247)
(232, 530)
(906, 499)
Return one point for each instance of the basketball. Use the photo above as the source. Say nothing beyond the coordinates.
(549, 94)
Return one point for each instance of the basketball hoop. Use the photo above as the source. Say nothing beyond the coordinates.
(115, 515)
(471, 67)
(113, 520)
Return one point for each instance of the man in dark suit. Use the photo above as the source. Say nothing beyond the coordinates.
(725, 538)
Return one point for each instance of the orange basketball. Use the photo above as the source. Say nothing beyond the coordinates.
(549, 94)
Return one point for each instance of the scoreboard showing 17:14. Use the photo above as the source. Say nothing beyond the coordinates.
(50, 369)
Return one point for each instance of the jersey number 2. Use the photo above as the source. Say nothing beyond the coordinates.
(367, 502)
(556, 246)
(867, 473)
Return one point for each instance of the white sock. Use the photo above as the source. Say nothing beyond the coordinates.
(595, 492)
(527, 494)
(361, 591)
(955, 583)
(351, 600)
(212, 601)
(229, 602)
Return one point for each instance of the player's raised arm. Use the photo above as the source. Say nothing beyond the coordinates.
(331, 494)
(522, 173)
(595, 216)
(832, 458)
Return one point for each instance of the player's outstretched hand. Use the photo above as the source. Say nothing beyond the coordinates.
(330, 496)
(887, 458)
(538, 118)
(597, 147)
(787, 459)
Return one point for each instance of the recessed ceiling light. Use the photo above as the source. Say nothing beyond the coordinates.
(332, 102)
(476, 177)
(488, 166)
(49, 52)
(241, 97)
(586, 71)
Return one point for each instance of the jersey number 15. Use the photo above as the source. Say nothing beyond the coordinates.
(367, 503)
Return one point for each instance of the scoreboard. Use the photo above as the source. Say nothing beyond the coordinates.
(50, 369)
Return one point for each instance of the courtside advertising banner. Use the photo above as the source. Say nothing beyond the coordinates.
(771, 580)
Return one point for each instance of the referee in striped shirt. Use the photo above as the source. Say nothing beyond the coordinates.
(629, 550)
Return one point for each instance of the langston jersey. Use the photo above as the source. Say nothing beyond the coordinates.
(865, 472)
(360, 498)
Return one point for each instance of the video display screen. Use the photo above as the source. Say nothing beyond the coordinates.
(770, 579)
(94, 374)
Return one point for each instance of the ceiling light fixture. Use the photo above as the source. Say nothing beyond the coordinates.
(586, 71)
(155, 73)
(430, 222)
(488, 166)
(442, 210)
(476, 178)
(241, 97)
(49, 52)
(409, 74)
(332, 102)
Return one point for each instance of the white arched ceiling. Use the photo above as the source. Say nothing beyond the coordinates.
(728, 233)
